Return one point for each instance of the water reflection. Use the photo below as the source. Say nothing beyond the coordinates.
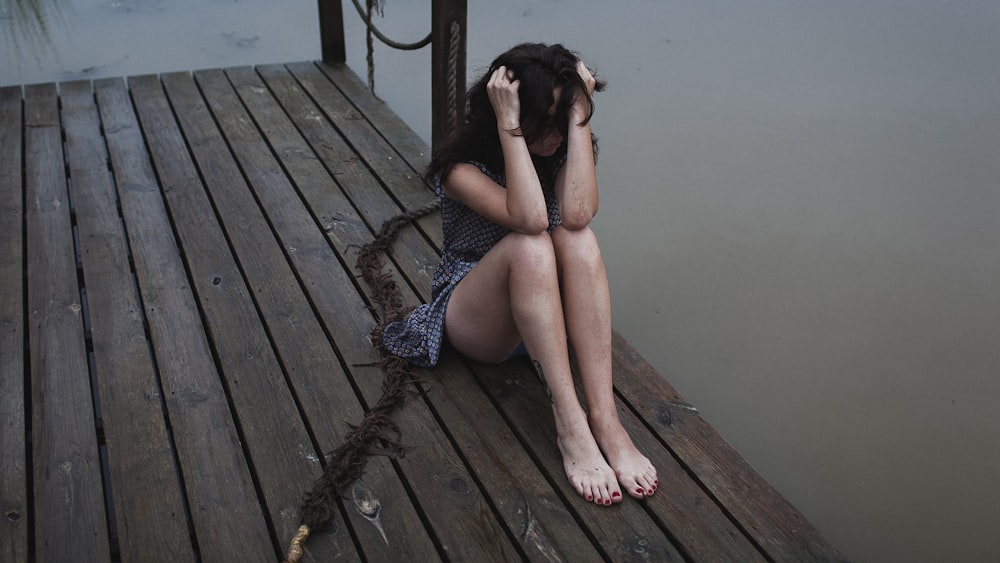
(63, 40)
(27, 25)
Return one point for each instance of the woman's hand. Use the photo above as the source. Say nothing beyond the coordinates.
(502, 90)
(581, 107)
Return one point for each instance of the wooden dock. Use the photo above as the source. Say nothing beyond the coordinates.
(184, 334)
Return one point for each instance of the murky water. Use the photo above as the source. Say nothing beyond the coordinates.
(800, 212)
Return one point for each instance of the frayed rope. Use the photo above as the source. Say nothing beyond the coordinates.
(377, 433)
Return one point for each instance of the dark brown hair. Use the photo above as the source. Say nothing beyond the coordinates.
(539, 68)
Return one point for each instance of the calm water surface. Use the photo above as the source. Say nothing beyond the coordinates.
(800, 213)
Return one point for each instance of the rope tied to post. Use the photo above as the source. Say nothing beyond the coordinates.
(377, 433)
(454, 44)
(366, 13)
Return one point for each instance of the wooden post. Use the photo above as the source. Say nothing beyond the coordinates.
(331, 31)
(448, 33)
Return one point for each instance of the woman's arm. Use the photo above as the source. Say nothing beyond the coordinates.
(576, 182)
(521, 206)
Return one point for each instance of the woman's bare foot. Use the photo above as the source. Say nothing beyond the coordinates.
(585, 466)
(633, 470)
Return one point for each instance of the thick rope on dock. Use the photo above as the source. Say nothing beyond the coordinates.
(377, 433)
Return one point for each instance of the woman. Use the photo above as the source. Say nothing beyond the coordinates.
(520, 269)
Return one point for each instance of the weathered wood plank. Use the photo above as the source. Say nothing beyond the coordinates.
(770, 520)
(397, 133)
(268, 274)
(224, 509)
(696, 523)
(402, 181)
(272, 430)
(313, 368)
(70, 520)
(408, 144)
(626, 531)
(140, 455)
(13, 462)
(455, 507)
(374, 203)
(339, 217)
(526, 501)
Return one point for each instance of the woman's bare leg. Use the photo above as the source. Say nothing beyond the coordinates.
(512, 295)
(587, 302)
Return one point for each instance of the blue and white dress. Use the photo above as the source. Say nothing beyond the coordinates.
(467, 238)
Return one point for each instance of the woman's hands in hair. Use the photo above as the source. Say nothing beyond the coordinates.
(581, 104)
(502, 89)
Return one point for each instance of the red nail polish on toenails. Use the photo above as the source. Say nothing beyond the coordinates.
(649, 492)
(616, 495)
(590, 497)
(607, 502)
(640, 491)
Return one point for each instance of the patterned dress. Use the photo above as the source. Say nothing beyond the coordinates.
(467, 238)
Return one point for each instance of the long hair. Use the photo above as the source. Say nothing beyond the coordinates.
(540, 68)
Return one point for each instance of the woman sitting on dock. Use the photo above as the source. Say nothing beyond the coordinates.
(521, 270)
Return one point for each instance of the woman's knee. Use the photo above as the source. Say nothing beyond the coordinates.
(578, 246)
(534, 251)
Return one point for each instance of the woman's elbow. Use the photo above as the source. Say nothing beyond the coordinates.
(534, 227)
(577, 219)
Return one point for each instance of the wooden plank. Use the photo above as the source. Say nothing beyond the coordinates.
(408, 144)
(625, 531)
(345, 221)
(70, 521)
(526, 500)
(373, 203)
(140, 455)
(13, 462)
(225, 512)
(770, 520)
(403, 139)
(272, 281)
(273, 433)
(313, 368)
(455, 507)
(403, 181)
